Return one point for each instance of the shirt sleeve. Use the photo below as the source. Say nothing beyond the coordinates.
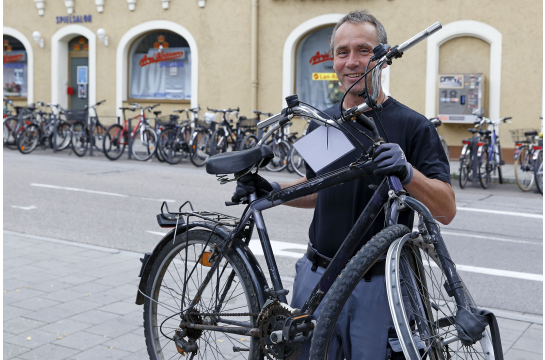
(428, 155)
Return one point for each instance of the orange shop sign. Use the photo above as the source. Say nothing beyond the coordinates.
(324, 76)
(160, 56)
(320, 58)
(12, 58)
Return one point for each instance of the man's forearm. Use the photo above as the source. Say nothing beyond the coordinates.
(307, 202)
(437, 195)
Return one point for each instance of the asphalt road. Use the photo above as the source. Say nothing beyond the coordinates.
(496, 239)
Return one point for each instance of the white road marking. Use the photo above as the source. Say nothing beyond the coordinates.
(281, 248)
(491, 238)
(95, 192)
(31, 207)
(535, 216)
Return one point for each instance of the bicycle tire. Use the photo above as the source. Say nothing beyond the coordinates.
(80, 138)
(144, 144)
(524, 173)
(63, 135)
(346, 282)
(168, 269)
(422, 311)
(485, 168)
(114, 142)
(538, 172)
(281, 152)
(218, 143)
(466, 169)
(248, 142)
(5, 133)
(10, 123)
(297, 162)
(29, 139)
(498, 158)
(200, 148)
(169, 146)
(99, 131)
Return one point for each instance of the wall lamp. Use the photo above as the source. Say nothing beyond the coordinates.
(38, 38)
(102, 36)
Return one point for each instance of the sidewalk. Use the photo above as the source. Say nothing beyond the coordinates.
(66, 300)
(507, 172)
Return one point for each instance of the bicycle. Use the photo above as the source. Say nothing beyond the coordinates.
(88, 133)
(469, 156)
(202, 282)
(41, 130)
(489, 154)
(142, 137)
(528, 158)
(224, 135)
(436, 122)
(174, 141)
(13, 125)
(281, 149)
(296, 160)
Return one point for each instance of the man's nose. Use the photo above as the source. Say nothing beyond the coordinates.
(353, 60)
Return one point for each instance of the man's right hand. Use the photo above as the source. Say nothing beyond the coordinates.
(251, 183)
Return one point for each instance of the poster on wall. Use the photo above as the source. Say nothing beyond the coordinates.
(82, 91)
(82, 75)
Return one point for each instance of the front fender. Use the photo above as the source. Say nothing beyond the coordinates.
(256, 274)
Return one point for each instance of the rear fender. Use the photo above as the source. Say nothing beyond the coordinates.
(256, 274)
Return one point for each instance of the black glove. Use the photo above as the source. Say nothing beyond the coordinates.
(251, 183)
(390, 160)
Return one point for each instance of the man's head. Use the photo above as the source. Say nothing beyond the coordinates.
(352, 43)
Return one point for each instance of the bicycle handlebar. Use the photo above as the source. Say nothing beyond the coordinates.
(225, 111)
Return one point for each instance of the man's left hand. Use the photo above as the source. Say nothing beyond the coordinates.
(390, 160)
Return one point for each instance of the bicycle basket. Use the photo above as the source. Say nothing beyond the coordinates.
(167, 119)
(244, 122)
(519, 136)
(76, 115)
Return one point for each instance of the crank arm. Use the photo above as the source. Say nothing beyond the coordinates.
(231, 330)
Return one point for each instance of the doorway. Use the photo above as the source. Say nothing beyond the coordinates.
(78, 73)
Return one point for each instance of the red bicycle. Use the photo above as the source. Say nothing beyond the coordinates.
(142, 137)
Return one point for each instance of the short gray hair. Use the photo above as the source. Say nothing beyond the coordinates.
(356, 17)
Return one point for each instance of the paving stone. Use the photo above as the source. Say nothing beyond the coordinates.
(81, 341)
(11, 351)
(11, 312)
(91, 254)
(129, 342)
(24, 293)
(105, 297)
(116, 280)
(111, 328)
(35, 304)
(66, 326)
(139, 355)
(37, 338)
(50, 286)
(20, 324)
(40, 278)
(50, 315)
(121, 308)
(74, 258)
(94, 317)
(535, 334)
(90, 288)
(530, 344)
(27, 270)
(536, 327)
(126, 289)
(78, 279)
(12, 284)
(133, 318)
(77, 306)
(17, 261)
(102, 352)
(51, 264)
(65, 295)
(510, 335)
(512, 324)
(516, 354)
(49, 352)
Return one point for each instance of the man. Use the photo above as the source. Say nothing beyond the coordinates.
(414, 154)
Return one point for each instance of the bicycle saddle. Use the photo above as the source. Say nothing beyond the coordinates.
(237, 161)
(485, 132)
(473, 131)
(157, 113)
(530, 133)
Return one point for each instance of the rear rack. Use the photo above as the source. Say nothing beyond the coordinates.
(170, 219)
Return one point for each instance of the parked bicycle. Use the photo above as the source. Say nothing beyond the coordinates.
(142, 137)
(436, 122)
(295, 159)
(174, 141)
(225, 136)
(489, 153)
(202, 283)
(528, 158)
(89, 132)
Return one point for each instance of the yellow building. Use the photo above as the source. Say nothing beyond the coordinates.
(253, 53)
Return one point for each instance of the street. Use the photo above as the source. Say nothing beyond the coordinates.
(496, 239)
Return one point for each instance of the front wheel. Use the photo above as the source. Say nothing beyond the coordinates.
(218, 144)
(228, 299)
(297, 162)
(80, 139)
(281, 151)
(170, 146)
(29, 139)
(524, 171)
(62, 135)
(485, 168)
(114, 142)
(422, 311)
(538, 173)
(144, 144)
(466, 169)
(200, 148)
(248, 142)
(345, 284)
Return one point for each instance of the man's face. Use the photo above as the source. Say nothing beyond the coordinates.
(354, 45)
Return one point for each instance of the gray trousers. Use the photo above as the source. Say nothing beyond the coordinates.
(361, 332)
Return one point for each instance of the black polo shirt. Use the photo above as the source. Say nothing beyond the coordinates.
(338, 208)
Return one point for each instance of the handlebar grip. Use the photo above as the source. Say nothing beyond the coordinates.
(419, 37)
(508, 118)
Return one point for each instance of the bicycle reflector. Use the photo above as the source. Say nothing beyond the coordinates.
(205, 259)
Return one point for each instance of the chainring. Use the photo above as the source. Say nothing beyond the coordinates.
(272, 318)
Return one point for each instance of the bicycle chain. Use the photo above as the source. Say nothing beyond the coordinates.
(228, 314)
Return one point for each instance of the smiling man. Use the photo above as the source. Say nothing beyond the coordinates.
(413, 153)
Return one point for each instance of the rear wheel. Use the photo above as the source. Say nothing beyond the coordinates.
(62, 135)
(10, 132)
(248, 142)
(229, 295)
(524, 170)
(200, 148)
(538, 166)
(144, 144)
(99, 132)
(80, 139)
(170, 146)
(29, 139)
(281, 151)
(218, 143)
(485, 168)
(466, 169)
(114, 142)
(297, 162)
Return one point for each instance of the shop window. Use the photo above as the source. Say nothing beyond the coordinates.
(160, 67)
(315, 80)
(15, 68)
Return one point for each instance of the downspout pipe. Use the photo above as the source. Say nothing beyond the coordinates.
(254, 55)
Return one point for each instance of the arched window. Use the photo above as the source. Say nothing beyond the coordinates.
(160, 67)
(15, 68)
(315, 80)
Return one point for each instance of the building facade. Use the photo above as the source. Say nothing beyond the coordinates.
(253, 53)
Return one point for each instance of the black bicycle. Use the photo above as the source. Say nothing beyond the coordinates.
(88, 133)
(204, 292)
